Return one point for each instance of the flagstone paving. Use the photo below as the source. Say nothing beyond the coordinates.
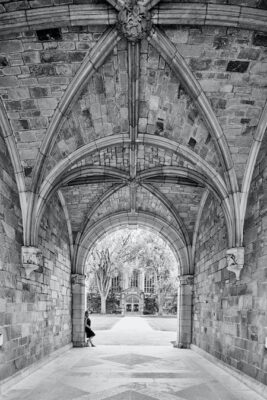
(130, 372)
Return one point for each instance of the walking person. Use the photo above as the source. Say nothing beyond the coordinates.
(88, 331)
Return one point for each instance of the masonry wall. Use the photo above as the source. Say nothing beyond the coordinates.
(229, 316)
(35, 313)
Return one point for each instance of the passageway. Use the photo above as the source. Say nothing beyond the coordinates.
(124, 368)
(133, 114)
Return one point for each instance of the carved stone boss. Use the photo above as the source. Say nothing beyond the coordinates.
(134, 22)
(32, 259)
(235, 260)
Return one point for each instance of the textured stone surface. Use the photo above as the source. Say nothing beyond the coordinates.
(237, 98)
(185, 200)
(166, 109)
(34, 75)
(35, 312)
(152, 156)
(102, 108)
(229, 316)
(81, 200)
(117, 202)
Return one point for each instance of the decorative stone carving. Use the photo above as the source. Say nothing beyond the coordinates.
(235, 260)
(186, 280)
(134, 21)
(32, 259)
(78, 279)
(133, 183)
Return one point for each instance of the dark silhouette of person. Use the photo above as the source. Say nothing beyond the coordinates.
(88, 331)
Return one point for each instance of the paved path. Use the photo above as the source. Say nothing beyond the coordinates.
(134, 331)
(130, 373)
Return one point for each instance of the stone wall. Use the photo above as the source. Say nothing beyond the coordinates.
(35, 313)
(229, 316)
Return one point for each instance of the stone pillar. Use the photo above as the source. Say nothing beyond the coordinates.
(78, 309)
(184, 311)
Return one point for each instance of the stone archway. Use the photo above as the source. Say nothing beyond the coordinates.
(133, 301)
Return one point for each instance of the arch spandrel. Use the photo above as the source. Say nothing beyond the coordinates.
(119, 201)
(80, 199)
(236, 96)
(185, 200)
(168, 110)
(146, 201)
(100, 110)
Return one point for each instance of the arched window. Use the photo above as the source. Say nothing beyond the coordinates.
(134, 279)
(149, 282)
(116, 283)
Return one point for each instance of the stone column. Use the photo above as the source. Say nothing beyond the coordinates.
(78, 309)
(184, 311)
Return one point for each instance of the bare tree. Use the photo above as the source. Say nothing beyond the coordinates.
(106, 258)
(132, 250)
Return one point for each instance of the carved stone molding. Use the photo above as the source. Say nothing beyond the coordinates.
(235, 260)
(186, 280)
(134, 21)
(78, 279)
(32, 259)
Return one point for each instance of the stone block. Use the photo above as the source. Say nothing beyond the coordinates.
(40, 3)
(8, 81)
(43, 70)
(47, 103)
(11, 46)
(39, 92)
(31, 57)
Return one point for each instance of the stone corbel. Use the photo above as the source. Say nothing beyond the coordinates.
(235, 260)
(32, 259)
(78, 279)
(185, 280)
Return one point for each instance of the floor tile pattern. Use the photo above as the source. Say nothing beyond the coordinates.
(130, 372)
(131, 359)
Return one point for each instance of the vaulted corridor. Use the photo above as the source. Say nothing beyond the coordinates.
(147, 114)
(132, 371)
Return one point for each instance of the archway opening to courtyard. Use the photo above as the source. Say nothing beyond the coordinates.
(132, 272)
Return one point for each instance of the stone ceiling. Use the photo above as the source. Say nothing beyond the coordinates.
(133, 110)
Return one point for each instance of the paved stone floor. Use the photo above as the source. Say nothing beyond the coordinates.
(134, 331)
(130, 372)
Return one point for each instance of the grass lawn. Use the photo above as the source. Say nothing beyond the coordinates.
(163, 323)
(106, 322)
(103, 322)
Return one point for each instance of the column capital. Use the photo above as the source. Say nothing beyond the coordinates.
(235, 260)
(32, 259)
(77, 279)
(186, 280)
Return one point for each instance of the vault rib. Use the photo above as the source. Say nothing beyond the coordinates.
(133, 94)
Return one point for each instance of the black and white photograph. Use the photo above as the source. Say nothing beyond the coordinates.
(133, 199)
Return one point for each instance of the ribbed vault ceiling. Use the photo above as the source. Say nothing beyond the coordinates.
(133, 127)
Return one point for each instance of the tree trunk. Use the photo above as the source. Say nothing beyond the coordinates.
(160, 312)
(103, 304)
